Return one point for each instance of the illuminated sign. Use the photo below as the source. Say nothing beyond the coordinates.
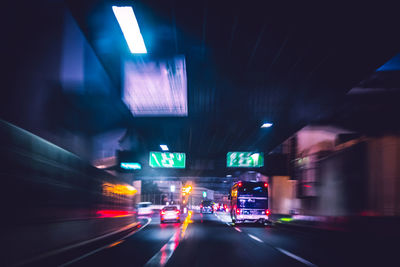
(155, 88)
(131, 165)
(244, 160)
(167, 160)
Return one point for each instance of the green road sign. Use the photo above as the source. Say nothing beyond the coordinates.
(167, 160)
(244, 160)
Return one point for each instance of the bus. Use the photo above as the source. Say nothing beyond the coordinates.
(249, 202)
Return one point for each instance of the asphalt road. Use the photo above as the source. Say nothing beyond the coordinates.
(212, 240)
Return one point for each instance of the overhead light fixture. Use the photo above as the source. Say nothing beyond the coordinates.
(164, 147)
(155, 87)
(266, 125)
(130, 28)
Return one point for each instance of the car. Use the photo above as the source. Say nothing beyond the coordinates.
(220, 207)
(170, 214)
(206, 206)
(144, 208)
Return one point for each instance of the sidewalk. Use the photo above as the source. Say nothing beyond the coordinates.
(372, 225)
(308, 222)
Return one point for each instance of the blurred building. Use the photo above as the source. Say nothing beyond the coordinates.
(166, 194)
(198, 195)
(282, 195)
(335, 172)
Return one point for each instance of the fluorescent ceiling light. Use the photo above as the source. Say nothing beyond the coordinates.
(164, 147)
(266, 125)
(130, 28)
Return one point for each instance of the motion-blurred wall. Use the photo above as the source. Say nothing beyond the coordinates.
(338, 173)
(282, 195)
(51, 198)
(383, 176)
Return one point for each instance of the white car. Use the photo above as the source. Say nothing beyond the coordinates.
(144, 208)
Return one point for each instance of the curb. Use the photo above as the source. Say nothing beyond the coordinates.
(59, 256)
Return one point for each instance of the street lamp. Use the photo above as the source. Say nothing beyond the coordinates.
(164, 147)
(172, 188)
(266, 125)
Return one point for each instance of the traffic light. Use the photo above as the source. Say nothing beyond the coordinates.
(186, 190)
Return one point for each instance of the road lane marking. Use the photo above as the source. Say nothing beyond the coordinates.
(224, 218)
(116, 243)
(161, 258)
(106, 246)
(255, 238)
(287, 253)
(300, 259)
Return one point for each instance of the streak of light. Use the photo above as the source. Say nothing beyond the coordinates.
(119, 189)
(116, 243)
(186, 222)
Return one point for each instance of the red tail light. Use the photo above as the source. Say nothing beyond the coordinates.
(240, 184)
(267, 212)
(162, 212)
(265, 184)
(177, 212)
(237, 211)
(201, 205)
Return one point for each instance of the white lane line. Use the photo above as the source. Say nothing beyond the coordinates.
(300, 259)
(224, 218)
(161, 257)
(237, 229)
(255, 238)
(104, 247)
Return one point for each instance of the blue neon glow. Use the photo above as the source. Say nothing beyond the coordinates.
(131, 166)
(392, 65)
(266, 125)
(130, 28)
(164, 147)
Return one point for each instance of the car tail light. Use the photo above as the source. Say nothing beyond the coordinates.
(265, 184)
(162, 212)
(177, 212)
(201, 205)
(237, 211)
(240, 184)
(267, 212)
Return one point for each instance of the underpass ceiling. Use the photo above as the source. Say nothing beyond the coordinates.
(290, 63)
